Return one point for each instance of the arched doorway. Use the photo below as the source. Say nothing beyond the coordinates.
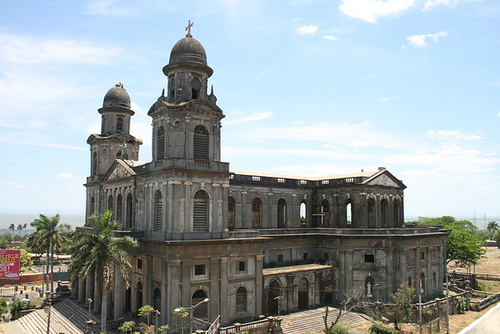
(328, 294)
(128, 299)
(157, 299)
(303, 294)
(139, 295)
(201, 312)
(273, 292)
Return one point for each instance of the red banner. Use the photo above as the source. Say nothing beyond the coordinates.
(9, 263)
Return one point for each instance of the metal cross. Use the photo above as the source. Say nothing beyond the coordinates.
(188, 28)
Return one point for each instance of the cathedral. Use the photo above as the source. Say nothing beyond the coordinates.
(242, 244)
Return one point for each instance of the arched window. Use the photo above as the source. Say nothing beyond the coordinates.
(349, 216)
(371, 212)
(200, 143)
(325, 213)
(110, 204)
(200, 212)
(241, 300)
(201, 312)
(171, 89)
(385, 212)
(158, 211)
(160, 143)
(256, 212)
(157, 300)
(397, 213)
(92, 205)
(303, 213)
(282, 213)
(119, 124)
(130, 210)
(195, 88)
(94, 164)
(119, 208)
(230, 213)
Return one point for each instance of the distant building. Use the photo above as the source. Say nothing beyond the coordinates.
(242, 239)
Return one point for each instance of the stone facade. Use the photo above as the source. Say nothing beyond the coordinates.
(251, 243)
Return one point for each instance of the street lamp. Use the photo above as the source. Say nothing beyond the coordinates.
(278, 298)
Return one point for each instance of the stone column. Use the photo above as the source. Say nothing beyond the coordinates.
(81, 291)
(147, 289)
(216, 295)
(174, 288)
(224, 288)
(118, 295)
(290, 301)
(362, 211)
(165, 309)
(186, 282)
(259, 279)
(244, 210)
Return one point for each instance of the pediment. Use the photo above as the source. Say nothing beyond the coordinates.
(119, 170)
(385, 179)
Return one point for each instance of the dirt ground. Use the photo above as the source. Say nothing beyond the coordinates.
(491, 265)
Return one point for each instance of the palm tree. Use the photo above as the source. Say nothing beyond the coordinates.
(49, 236)
(97, 250)
(12, 227)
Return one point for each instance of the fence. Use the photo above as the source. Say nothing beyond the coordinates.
(268, 325)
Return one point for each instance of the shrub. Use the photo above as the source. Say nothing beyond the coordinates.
(338, 329)
(379, 329)
(462, 305)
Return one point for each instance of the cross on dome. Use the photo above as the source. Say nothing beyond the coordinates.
(188, 28)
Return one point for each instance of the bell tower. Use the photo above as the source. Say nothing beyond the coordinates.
(186, 122)
(114, 141)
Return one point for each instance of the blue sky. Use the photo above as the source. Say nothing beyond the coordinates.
(308, 88)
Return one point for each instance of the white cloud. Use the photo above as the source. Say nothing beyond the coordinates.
(12, 184)
(499, 114)
(419, 41)
(389, 98)
(370, 10)
(252, 117)
(31, 50)
(307, 30)
(434, 3)
(331, 38)
(451, 134)
(66, 176)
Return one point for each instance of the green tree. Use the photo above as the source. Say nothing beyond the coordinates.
(98, 250)
(25, 261)
(126, 327)
(493, 226)
(146, 311)
(463, 244)
(12, 227)
(49, 236)
(402, 311)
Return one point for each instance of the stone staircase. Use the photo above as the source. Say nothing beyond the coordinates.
(75, 313)
(311, 321)
(36, 323)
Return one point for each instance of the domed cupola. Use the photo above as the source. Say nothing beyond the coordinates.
(116, 111)
(188, 71)
(117, 97)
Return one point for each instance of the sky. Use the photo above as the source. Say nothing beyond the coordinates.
(308, 87)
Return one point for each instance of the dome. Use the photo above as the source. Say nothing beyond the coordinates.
(117, 97)
(188, 50)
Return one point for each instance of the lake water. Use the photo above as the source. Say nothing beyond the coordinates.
(16, 219)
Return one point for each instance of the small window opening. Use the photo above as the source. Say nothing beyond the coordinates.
(369, 258)
(305, 256)
(119, 124)
(280, 258)
(139, 263)
(242, 266)
(199, 270)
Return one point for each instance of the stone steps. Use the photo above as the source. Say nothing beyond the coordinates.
(75, 313)
(311, 321)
